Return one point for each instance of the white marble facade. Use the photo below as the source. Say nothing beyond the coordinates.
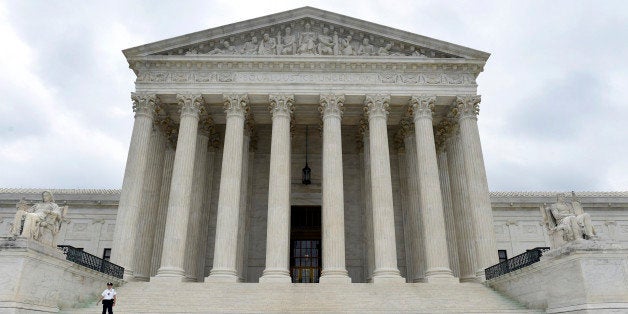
(218, 145)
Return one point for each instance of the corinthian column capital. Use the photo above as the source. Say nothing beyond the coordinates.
(407, 127)
(467, 106)
(281, 104)
(144, 104)
(443, 131)
(376, 106)
(190, 104)
(236, 104)
(331, 105)
(206, 126)
(422, 106)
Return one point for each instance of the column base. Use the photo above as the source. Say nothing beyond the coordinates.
(169, 274)
(275, 276)
(335, 276)
(480, 275)
(440, 275)
(387, 276)
(222, 275)
(128, 275)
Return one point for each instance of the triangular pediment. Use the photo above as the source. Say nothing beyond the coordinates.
(305, 32)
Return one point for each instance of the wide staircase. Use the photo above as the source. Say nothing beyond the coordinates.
(186, 297)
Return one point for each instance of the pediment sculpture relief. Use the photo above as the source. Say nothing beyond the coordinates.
(40, 221)
(566, 221)
(307, 37)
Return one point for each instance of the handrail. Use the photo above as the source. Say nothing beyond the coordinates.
(90, 261)
(517, 262)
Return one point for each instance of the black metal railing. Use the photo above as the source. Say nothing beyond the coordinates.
(90, 261)
(517, 262)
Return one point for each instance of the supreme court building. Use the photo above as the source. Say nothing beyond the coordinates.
(222, 118)
(331, 163)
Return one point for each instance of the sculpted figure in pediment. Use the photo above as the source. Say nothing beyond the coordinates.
(267, 46)
(226, 50)
(366, 49)
(307, 41)
(384, 51)
(345, 47)
(325, 43)
(251, 47)
(287, 43)
(416, 53)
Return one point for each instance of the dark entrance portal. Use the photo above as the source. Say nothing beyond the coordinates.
(305, 244)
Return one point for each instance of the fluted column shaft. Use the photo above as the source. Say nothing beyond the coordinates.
(194, 241)
(162, 209)
(243, 207)
(368, 208)
(149, 205)
(436, 257)
(416, 271)
(278, 222)
(333, 228)
(381, 192)
(207, 201)
(175, 235)
(461, 208)
(467, 111)
(450, 224)
(225, 249)
(123, 247)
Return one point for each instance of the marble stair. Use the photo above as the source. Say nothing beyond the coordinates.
(144, 297)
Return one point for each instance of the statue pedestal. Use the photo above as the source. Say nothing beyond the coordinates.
(37, 277)
(579, 277)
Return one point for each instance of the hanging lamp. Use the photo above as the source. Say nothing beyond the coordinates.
(305, 178)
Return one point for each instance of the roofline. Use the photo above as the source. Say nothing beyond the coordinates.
(303, 12)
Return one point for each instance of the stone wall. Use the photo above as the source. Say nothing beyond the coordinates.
(34, 277)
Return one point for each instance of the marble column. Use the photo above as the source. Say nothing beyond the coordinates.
(445, 188)
(416, 271)
(244, 199)
(194, 241)
(369, 256)
(376, 107)
(123, 246)
(179, 201)
(333, 209)
(243, 261)
(214, 146)
(467, 109)
(226, 244)
(149, 204)
(402, 172)
(278, 222)
(460, 204)
(162, 209)
(436, 257)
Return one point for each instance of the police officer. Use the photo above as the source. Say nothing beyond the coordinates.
(108, 298)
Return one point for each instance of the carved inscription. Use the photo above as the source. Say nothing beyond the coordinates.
(393, 78)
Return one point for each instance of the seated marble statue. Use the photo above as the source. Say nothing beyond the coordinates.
(42, 221)
(568, 219)
(18, 220)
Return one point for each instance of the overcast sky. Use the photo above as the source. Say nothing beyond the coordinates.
(554, 111)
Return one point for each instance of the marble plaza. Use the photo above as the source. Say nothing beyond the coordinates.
(314, 148)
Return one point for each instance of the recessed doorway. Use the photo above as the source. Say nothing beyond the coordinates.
(305, 244)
